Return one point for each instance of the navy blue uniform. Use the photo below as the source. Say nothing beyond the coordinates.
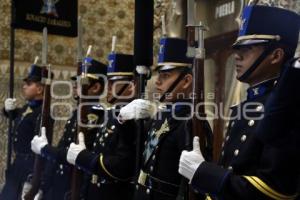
(56, 180)
(57, 177)
(110, 165)
(280, 126)
(248, 168)
(167, 138)
(56, 183)
(26, 126)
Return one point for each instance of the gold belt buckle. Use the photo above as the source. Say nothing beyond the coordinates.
(142, 178)
(94, 179)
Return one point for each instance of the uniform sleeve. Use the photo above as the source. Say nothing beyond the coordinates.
(87, 161)
(113, 165)
(117, 164)
(56, 154)
(14, 113)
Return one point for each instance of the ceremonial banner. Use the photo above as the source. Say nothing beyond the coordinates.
(221, 16)
(59, 16)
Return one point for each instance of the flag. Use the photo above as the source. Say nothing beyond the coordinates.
(59, 16)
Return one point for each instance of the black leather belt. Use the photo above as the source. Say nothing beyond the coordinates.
(157, 184)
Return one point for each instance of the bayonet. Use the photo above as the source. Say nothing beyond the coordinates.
(36, 59)
(190, 28)
(86, 64)
(163, 26)
(45, 46)
(113, 43)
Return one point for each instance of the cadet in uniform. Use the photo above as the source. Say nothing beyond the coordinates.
(26, 125)
(250, 168)
(111, 161)
(169, 133)
(56, 182)
(280, 126)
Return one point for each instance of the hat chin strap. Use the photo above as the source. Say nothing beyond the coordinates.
(119, 93)
(258, 61)
(174, 84)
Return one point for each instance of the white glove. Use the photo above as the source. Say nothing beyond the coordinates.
(39, 195)
(38, 142)
(26, 188)
(138, 109)
(297, 64)
(190, 160)
(10, 104)
(75, 149)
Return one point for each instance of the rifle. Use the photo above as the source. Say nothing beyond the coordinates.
(143, 58)
(39, 162)
(83, 84)
(198, 91)
(197, 52)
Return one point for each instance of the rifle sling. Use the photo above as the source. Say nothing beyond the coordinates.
(174, 84)
(119, 93)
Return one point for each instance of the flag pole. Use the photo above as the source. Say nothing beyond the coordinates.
(11, 83)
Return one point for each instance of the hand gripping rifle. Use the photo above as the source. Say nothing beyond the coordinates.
(46, 122)
(197, 52)
(83, 84)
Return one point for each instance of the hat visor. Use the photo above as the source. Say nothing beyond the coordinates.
(165, 67)
(114, 78)
(241, 43)
(32, 78)
(170, 67)
(90, 76)
(73, 78)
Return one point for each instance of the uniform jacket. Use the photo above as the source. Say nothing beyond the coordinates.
(248, 168)
(26, 126)
(111, 162)
(56, 183)
(167, 137)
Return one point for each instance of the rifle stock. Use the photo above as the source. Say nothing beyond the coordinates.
(39, 162)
